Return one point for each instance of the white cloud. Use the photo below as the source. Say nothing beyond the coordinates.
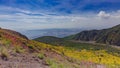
(103, 14)
(11, 9)
(91, 21)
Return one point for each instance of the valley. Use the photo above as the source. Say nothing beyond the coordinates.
(17, 50)
(31, 34)
(59, 33)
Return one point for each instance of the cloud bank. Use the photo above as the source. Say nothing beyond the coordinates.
(24, 19)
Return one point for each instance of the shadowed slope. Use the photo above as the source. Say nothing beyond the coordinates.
(107, 36)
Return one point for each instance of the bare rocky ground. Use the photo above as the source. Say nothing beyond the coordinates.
(22, 61)
(30, 60)
(27, 60)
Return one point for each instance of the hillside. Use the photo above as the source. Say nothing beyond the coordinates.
(50, 40)
(107, 36)
(17, 51)
(96, 49)
(75, 45)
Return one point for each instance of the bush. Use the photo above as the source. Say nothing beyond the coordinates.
(40, 56)
(4, 53)
(54, 64)
(19, 49)
(31, 46)
(49, 62)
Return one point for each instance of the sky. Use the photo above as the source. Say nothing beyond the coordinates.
(46, 14)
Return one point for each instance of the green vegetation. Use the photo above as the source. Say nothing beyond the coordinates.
(49, 39)
(41, 56)
(80, 46)
(31, 46)
(67, 54)
(54, 64)
(49, 61)
(4, 53)
(94, 53)
(107, 36)
(18, 49)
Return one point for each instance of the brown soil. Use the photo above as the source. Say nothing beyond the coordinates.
(22, 61)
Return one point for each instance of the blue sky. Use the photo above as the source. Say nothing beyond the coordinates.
(42, 14)
(63, 6)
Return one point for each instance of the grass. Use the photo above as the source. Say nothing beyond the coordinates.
(49, 61)
(41, 56)
(54, 64)
(18, 49)
(96, 54)
(31, 46)
(4, 53)
(80, 46)
(5, 42)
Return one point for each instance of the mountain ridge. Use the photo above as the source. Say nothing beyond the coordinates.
(107, 36)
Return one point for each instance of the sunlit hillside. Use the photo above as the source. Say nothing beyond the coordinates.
(16, 47)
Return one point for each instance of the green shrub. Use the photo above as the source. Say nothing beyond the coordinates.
(49, 62)
(53, 64)
(40, 56)
(4, 53)
(19, 49)
(31, 46)
(8, 42)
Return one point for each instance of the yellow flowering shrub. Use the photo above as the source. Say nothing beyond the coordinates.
(99, 56)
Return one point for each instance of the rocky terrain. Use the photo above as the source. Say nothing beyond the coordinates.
(108, 36)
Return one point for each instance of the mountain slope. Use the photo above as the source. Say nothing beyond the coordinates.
(16, 50)
(107, 36)
(84, 51)
(50, 40)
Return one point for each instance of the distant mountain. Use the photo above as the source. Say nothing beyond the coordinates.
(31, 34)
(107, 36)
(49, 40)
